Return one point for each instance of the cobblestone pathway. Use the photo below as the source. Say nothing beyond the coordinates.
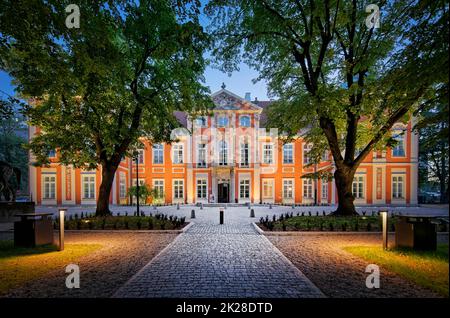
(212, 260)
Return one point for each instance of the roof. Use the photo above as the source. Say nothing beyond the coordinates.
(226, 100)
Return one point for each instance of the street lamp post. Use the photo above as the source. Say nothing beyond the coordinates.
(137, 185)
(315, 183)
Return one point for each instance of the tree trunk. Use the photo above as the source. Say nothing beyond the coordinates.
(108, 172)
(344, 180)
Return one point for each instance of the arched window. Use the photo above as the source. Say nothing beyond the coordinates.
(244, 121)
(223, 153)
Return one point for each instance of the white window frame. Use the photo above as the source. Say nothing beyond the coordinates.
(266, 150)
(308, 188)
(399, 133)
(157, 184)
(395, 186)
(288, 193)
(177, 185)
(223, 153)
(306, 149)
(202, 188)
(244, 184)
(204, 150)
(141, 156)
(324, 189)
(242, 117)
(52, 153)
(360, 193)
(178, 153)
(242, 162)
(122, 185)
(49, 192)
(291, 155)
(267, 184)
(91, 184)
(160, 151)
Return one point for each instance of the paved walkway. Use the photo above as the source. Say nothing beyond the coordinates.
(212, 260)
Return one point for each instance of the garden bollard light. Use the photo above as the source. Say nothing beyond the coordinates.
(61, 229)
(270, 206)
(252, 213)
(384, 222)
(221, 216)
(201, 206)
(193, 214)
(178, 206)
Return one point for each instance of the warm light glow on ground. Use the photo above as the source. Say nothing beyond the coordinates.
(19, 265)
(427, 269)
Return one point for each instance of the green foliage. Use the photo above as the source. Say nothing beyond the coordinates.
(145, 192)
(339, 84)
(96, 89)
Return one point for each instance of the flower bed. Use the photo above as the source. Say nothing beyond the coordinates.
(317, 222)
(151, 222)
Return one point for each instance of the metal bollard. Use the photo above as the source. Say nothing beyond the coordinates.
(178, 206)
(270, 206)
(193, 214)
(221, 216)
(252, 213)
(201, 206)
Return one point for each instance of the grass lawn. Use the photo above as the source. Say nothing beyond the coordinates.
(427, 269)
(19, 265)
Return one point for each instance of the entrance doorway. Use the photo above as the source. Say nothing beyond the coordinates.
(223, 193)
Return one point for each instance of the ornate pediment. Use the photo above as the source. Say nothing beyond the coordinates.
(226, 100)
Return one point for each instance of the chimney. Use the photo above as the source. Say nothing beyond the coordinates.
(248, 97)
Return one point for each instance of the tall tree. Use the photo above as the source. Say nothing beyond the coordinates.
(434, 145)
(100, 87)
(334, 72)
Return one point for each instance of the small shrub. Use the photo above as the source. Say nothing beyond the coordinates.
(283, 225)
(344, 226)
(138, 224)
(330, 226)
(369, 227)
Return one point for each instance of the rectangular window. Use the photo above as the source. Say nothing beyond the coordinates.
(268, 188)
(288, 153)
(358, 187)
(244, 155)
(49, 187)
(397, 187)
(268, 153)
(201, 188)
(223, 153)
(141, 182)
(307, 188)
(306, 150)
(244, 189)
(88, 184)
(158, 187)
(52, 153)
(288, 188)
(177, 153)
(325, 156)
(178, 189)
(122, 186)
(201, 156)
(141, 156)
(399, 149)
(158, 153)
(324, 189)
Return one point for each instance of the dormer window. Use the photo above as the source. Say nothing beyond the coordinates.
(222, 121)
(244, 121)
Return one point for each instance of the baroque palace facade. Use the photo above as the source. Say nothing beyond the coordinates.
(230, 157)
